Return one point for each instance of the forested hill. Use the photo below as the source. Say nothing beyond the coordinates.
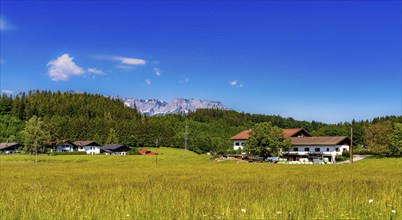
(94, 117)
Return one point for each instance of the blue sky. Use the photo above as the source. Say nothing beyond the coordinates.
(328, 61)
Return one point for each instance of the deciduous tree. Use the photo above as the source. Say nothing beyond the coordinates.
(266, 140)
(395, 139)
(35, 134)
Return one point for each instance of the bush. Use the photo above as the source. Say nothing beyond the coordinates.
(346, 154)
(363, 151)
(339, 158)
(133, 151)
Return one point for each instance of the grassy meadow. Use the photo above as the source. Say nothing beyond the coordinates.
(189, 186)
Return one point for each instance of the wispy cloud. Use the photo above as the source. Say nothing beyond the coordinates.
(157, 71)
(186, 80)
(4, 25)
(236, 84)
(129, 61)
(148, 82)
(7, 92)
(63, 67)
(124, 63)
(94, 71)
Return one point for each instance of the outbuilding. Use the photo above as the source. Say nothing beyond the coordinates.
(114, 149)
(9, 147)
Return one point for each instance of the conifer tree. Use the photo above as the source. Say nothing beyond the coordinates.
(112, 137)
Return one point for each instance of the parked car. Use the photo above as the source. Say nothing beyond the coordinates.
(272, 159)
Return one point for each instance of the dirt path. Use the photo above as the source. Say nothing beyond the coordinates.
(355, 159)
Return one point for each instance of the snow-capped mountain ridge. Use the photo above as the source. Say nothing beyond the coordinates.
(176, 106)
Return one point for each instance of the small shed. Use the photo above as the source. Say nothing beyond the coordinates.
(9, 147)
(115, 149)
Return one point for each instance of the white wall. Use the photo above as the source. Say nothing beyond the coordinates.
(65, 147)
(330, 150)
(92, 149)
(238, 144)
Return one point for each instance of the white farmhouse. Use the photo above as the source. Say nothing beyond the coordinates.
(240, 138)
(91, 147)
(306, 147)
(66, 146)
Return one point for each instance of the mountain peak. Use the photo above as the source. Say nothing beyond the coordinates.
(176, 106)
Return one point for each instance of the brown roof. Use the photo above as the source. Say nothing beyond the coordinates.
(7, 145)
(314, 141)
(288, 132)
(244, 135)
(85, 143)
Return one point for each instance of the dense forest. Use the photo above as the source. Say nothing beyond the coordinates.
(84, 116)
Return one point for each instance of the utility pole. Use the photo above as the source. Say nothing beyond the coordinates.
(156, 156)
(351, 145)
(185, 140)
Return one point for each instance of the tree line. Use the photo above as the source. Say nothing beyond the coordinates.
(73, 117)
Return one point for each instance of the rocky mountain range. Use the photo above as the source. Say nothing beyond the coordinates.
(176, 106)
(160, 107)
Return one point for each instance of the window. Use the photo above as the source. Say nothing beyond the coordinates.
(317, 149)
(295, 149)
(337, 149)
(344, 149)
(237, 143)
(306, 149)
(327, 149)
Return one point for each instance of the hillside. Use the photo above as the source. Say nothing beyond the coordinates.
(71, 116)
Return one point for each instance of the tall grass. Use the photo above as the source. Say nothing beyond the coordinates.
(190, 187)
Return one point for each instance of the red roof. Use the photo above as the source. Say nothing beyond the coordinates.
(144, 151)
(244, 135)
(288, 132)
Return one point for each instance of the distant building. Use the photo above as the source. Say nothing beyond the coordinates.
(66, 146)
(114, 149)
(91, 147)
(9, 147)
(240, 138)
(303, 145)
(146, 152)
(309, 147)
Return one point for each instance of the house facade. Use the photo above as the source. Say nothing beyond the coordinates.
(240, 138)
(66, 146)
(311, 147)
(91, 147)
(303, 145)
(114, 149)
(8, 148)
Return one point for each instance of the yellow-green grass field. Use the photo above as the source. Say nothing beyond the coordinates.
(189, 186)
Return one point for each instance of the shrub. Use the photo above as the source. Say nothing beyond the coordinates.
(346, 154)
(339, 158)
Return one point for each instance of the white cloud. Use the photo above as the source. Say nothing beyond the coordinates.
(236, 84)
(4, 25)
(148, 82)
(7, 92)
(157, 71)
(233, 83)
(129, 61)
(63, 67)
(186, 80)
(94, 71)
